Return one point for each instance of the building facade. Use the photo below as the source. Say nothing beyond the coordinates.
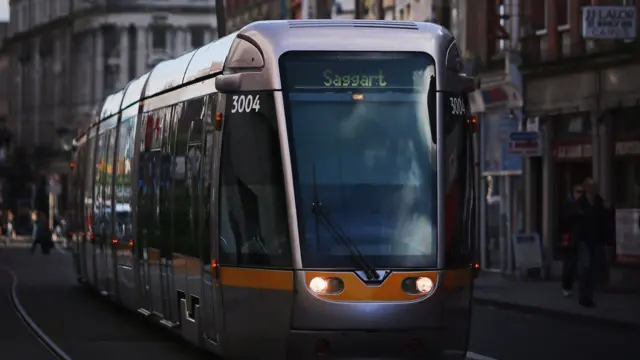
(65, 55)
(583, 99)
(239, 13)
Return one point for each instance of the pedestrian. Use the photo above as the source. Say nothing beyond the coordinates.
(43, 235)
(569, 249)
(590, 231)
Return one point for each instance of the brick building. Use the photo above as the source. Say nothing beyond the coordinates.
(585, 98)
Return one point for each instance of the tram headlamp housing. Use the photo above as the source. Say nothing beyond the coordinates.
(418, 285)
(326, 285)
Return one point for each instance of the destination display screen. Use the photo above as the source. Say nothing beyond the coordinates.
(355, 70)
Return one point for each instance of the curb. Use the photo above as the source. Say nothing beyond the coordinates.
(558, 314)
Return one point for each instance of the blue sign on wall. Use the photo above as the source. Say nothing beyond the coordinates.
(495, 130)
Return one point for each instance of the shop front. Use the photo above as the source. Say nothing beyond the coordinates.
(591, 125)
(498, 106)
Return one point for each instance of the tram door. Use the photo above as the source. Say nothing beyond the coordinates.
(155, 226)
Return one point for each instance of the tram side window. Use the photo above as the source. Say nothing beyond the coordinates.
(164, 235)
(206, 175)
(145, 184)
(123, 206)
(90, 168)
(154, 178)
(194, 161)
(459, 212)
(178, 174)
(108, 182)
(97, 185)
(252, 202)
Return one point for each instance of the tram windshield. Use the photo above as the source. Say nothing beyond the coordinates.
(361, 144)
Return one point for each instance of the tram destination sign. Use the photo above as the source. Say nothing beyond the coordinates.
(355, 71)
(609, 22)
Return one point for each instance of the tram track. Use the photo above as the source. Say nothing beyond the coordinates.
(35, 330)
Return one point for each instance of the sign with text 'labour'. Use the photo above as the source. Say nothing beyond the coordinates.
(525, 143)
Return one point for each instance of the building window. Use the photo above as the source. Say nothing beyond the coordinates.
(563, 12)
(539, 16)
(159, 35)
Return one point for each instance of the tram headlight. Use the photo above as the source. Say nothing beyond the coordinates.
(326, 285)
(424, 285)
(318, 285)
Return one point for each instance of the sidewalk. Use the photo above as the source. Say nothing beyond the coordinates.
(21, 241)
(545, 297)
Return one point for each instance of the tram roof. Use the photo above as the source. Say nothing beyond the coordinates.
(210, 58)
(201, 62)
(111, 105)
(134, 91)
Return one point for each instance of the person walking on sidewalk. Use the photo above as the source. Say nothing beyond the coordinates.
(590, 231)
(569, 228)
(43, 235)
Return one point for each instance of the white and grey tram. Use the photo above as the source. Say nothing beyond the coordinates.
(295, 190)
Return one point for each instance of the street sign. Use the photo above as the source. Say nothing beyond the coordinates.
(527, 251)
(525, 143)
(609, 22)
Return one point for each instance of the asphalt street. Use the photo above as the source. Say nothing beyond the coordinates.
(82, 324)
(509, 335)
(87, 327)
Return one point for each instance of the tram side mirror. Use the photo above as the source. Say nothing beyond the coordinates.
(228, 83)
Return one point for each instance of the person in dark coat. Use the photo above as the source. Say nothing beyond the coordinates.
(590, 227)
(569, 248)
(43, 235)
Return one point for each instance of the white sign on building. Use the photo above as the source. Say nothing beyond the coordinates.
(609, 22)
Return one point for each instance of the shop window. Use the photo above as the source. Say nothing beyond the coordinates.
(571, 126)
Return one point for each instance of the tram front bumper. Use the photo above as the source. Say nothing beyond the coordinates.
(370, 345)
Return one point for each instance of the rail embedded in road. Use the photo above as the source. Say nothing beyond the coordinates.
(29, 323)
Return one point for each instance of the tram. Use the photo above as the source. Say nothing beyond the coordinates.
(294, 190)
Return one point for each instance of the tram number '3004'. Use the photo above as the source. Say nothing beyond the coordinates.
(245, 103)
(457, 106)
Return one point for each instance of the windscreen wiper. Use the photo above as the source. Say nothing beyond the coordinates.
(338, 234)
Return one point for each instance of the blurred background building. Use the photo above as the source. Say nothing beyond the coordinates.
(66, 55)
(574, 63)
(62, 57)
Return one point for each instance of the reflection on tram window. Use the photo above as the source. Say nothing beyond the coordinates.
(192, 159)
(88, 182)
(182, 222)
(123, 180)
(253, 216)
(164, 235)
